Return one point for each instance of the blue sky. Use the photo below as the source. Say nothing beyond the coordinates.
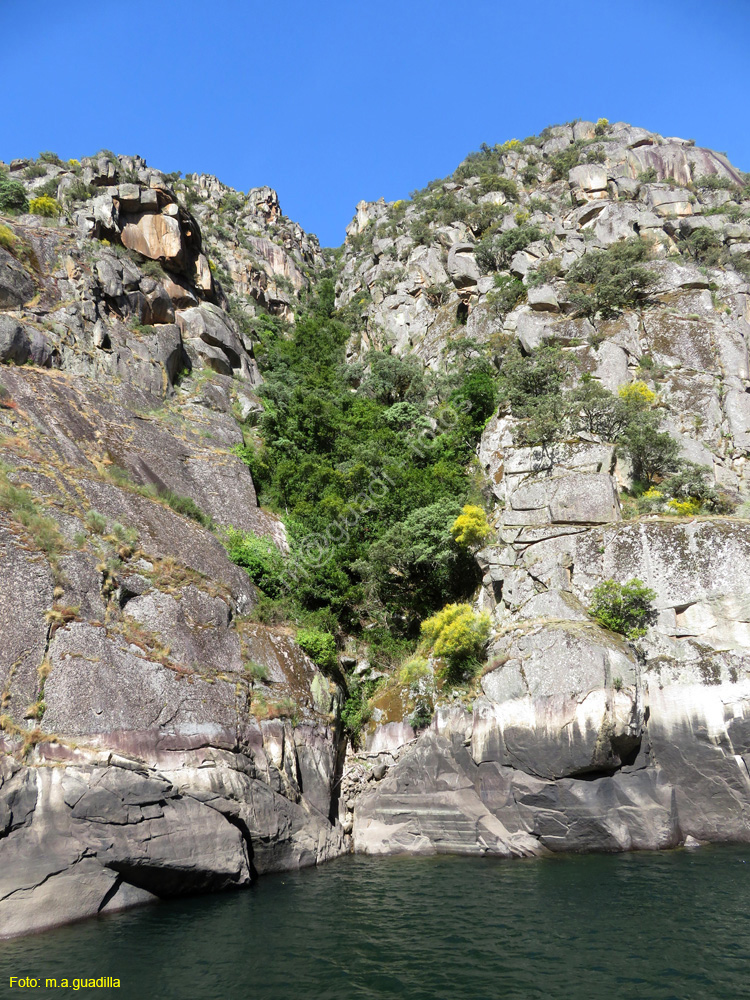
(335, 101)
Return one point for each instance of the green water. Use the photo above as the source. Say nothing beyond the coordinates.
(663, 926)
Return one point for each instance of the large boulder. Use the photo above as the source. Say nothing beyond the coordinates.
(155, 235)
(561, 702)
(462, 266)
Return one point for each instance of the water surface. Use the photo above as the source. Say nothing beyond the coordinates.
(661, 926)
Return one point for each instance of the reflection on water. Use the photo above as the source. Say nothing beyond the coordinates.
(663, 926)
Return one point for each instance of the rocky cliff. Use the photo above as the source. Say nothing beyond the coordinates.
(574, 739)
(157, 735)
(155, 738)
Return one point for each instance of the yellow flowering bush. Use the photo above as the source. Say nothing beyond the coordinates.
(637, 392)
(457, 633)
(471, 526)
(44, 205)
(685, 508)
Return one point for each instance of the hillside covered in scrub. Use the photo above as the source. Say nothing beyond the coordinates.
(433, 542)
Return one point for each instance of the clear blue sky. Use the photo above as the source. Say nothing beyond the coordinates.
(337, 100)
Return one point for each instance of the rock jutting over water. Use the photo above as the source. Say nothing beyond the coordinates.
(160, 732)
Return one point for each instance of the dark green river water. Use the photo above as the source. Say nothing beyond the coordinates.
(664, 926)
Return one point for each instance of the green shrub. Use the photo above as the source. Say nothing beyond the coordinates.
(422, 715)
(496, 182)
(182, 505)
(595, 410)
(623, 607)
(506, 294)
(258, 672)
(648, 176)
(496, 253)
(22, 507)
(78, 191)
(96, 522)
(320, 646)
(420, 232)
(712, 182)
(607, 281)
(692, 483)
(540, 205)
(437, 295)
(484, 218)
(527, 381)
(562, 163)
(44, 206)
(260, 557)
(12, 197)
(125, 536)
(153, 269)
(34, 170)
(356, 712)
(49, 188)
(47, 156)
(544, 272)
(595, 156)
(417, 557)
(702, 245)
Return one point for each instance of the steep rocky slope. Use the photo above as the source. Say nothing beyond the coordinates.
(157, 737)
(575, 739)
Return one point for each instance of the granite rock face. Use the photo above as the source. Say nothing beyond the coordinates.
(573, 738)
(140, 756)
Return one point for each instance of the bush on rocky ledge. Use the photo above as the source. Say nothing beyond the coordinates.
(623, 607)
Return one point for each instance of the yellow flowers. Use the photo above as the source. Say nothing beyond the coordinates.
(457, 632)
(685, 508)
(637, 392)
(471, 526)
(8, 238)
(44, 205)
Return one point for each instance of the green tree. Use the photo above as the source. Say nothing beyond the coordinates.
(653, 452)
(605, 282)
(623, 607)
(419, 560)
(595, 410)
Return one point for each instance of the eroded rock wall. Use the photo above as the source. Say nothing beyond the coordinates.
(155, 739)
